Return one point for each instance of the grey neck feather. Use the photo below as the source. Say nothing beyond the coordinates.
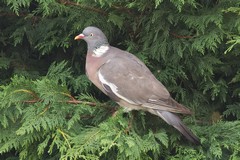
(93, 46)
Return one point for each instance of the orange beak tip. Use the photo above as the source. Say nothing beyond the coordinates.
(80, 36)
(76, 38)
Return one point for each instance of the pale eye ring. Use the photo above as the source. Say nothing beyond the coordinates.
(91, 34)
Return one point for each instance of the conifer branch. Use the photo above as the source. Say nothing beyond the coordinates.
(33, 101)
(26, 91)
(73, 101)
(37, 99)
(64, 136)
(81, 102)
(45, 109)
(39, 113)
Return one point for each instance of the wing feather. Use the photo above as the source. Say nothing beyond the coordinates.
(129, 79)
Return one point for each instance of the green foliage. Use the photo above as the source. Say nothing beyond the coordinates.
(4, 63)
(50, 110)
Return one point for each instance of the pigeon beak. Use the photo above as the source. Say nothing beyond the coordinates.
(80, 36)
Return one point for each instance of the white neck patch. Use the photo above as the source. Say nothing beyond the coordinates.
(100, 51)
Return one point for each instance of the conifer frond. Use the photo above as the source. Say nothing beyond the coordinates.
(4, 62)
(50, 110)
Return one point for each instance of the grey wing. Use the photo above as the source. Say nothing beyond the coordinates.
(126, 77)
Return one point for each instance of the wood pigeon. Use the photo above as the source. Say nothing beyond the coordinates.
(127, 80)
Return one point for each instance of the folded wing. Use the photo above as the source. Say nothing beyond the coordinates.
(126, 77)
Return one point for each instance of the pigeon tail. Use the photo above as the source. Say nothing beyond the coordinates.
(176, 122)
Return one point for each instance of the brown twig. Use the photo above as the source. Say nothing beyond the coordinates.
(87, 116)
(81, 102)
(70, 102)
(67, 2)
(32, 101)
(127, 130)
(120, 8)
(74, 101)
(23, 14)
(123, 9)
(180, 36)
(37, 99)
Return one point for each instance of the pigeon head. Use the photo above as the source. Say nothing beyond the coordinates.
(93, 36)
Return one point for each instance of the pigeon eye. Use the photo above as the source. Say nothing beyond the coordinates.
(91, 34)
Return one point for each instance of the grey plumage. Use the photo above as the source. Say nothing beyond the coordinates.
(127, 80)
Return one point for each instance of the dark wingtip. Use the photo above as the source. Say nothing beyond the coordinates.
(189, 135)
(195, 140)
(176, 122)
(182, 109)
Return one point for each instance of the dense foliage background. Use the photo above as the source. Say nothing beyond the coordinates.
(49, 109)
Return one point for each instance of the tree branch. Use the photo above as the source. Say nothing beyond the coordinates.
(67, 2)
(37, 99)
(180, 36)
(70, 102)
